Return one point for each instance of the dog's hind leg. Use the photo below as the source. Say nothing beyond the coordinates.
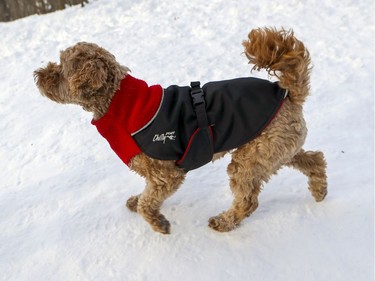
(313, 165)
(244, 203)
(249, 169)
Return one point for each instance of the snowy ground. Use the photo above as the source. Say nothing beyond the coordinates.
(62, 190)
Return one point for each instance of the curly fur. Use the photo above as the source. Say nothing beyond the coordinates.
(89, 76)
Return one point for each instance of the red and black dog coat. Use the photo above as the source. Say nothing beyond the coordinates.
(188, 125)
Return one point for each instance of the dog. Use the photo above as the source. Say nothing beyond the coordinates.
(90, 76)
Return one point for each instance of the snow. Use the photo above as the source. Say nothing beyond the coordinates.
(63, 191)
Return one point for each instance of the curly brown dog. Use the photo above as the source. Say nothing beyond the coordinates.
(90, 77)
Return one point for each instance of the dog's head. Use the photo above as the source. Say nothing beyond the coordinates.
(87, 75)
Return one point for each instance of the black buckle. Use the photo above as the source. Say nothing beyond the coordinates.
(197, 97)
(197, 93)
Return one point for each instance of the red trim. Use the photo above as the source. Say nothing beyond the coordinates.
(190, 142)
(188, 146)
(212, 134)
(273, 117)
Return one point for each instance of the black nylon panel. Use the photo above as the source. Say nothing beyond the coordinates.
(238, 110)
(168, 135)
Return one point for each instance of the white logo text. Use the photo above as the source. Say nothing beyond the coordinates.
(163, 137)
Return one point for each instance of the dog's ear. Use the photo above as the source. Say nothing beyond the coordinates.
(89, 78)
(48, 80)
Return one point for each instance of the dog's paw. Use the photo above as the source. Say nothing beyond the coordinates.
(319, 195)
(132, 203)
(221, 223)
(161, 225)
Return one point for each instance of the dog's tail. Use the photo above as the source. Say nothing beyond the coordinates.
(283, 56)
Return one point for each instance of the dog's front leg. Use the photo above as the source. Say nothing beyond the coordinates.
(162, 179)
(132, 203)
(149, 203)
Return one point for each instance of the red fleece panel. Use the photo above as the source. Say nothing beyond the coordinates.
(119, 139)
(132, 107)
(135, 103)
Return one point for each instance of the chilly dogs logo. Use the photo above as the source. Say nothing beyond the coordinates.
(163, 137)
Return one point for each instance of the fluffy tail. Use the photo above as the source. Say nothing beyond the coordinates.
(283, 56)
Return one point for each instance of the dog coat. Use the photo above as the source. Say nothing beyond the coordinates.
(187, 124)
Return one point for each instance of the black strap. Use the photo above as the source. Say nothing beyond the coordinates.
(199, 104)
(200, 149)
